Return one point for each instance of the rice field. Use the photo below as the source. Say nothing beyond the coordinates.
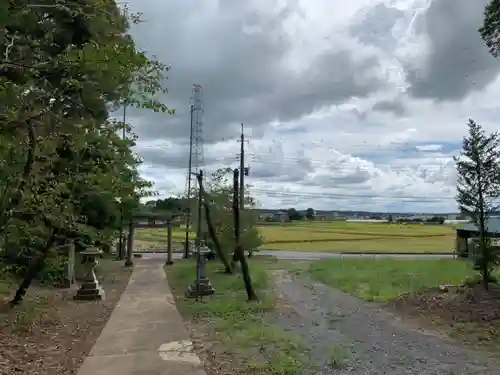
(333, 237)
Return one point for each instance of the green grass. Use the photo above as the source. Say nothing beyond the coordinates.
(239, 330)
(385, 279)
(5, 287)
(338, 356)
(333, 236)
(22, 317)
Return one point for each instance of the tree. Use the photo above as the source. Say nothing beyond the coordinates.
(62, 68)
(293, 214)
(171, 204)
(478, 187)
(219, 197)
(310, 213)
(490, 30)
(210, 226)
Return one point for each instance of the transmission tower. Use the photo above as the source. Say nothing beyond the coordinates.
(197, 103)
(196, 154)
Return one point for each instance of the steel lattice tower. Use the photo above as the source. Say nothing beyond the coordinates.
(196, 154)
(197, 150)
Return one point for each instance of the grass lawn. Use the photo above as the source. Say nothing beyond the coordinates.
(332, 237)
(385, 279)
(238, 334)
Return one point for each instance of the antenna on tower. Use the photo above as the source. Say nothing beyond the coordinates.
(196, 154)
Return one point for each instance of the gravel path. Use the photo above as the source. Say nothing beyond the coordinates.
(366, 339)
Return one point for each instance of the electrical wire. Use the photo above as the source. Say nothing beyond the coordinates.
(328, 195)
(257, 159)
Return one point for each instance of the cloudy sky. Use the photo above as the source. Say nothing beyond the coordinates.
(356, 104)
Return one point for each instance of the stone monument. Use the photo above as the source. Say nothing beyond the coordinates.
(69, 277)
(201, 286)
(90, 290)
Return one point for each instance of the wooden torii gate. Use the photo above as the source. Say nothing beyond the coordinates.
(145, 220)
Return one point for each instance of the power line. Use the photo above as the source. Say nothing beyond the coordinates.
(291, 162)
(316, 195)
(244, 171)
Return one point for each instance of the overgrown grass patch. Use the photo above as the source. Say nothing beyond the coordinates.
(238, 331)
(24, 316)
(384, 279)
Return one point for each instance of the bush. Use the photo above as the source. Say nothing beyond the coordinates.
(472, 281)
(53, 270)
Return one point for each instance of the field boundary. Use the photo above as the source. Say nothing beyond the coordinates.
(442, 253)
(343, 239)
(450, 253)
(323, 253)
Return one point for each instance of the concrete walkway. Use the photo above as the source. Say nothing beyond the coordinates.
(145, 334)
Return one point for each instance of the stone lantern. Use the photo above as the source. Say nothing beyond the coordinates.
(90, 290)
(201, 286)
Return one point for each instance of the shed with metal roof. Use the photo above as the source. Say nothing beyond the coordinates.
(470, 230)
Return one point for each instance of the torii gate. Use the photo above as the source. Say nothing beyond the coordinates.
(125, 247)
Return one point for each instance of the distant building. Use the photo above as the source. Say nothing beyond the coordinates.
(280, 216)
(470, 230)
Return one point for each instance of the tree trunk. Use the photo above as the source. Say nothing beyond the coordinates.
(238, 251)
(484, 251)
(252, 296)
(215, 240)
(33, 269)
(129, 262)
(482, 233)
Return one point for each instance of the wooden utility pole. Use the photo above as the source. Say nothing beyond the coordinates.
(130, 245)
(239, 251)
(243, 173)
(199, 176)
(169, 243)
(242, 169)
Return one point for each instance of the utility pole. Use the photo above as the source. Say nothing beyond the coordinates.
(190, 167)
(239, 252)
(169, 243)
(243, 170)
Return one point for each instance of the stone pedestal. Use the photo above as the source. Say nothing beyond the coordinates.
(206, 289)
(201, 286)
(90, 290)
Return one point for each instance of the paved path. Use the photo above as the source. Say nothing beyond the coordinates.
(145, 334)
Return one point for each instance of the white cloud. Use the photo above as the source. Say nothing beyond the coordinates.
(327, 96)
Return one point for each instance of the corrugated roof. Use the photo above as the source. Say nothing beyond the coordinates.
(492, 225)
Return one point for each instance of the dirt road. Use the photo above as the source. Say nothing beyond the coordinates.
(350, 336)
